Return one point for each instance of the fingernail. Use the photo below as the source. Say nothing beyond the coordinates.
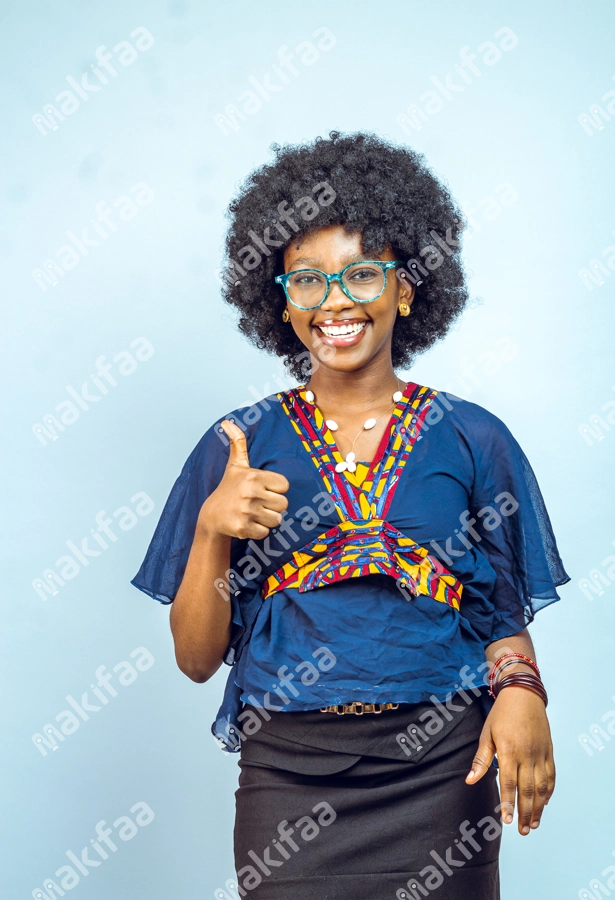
(536, 823)
(472, 773)
(525, 829)
(508, 818)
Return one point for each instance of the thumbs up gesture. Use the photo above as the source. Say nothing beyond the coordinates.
(248, 502)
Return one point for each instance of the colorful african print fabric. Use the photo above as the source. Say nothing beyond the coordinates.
(364, 543)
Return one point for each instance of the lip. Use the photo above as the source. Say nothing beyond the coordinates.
(341, 340)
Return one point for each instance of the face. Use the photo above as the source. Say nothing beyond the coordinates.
(359, 332)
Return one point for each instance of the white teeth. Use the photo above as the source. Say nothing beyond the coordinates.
(336, 330)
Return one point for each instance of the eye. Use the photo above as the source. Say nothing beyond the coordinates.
(363, 274)
(306, 279)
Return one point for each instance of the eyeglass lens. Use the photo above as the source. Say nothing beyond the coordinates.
(364, 282)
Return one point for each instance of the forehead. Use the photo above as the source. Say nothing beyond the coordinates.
(328, 247)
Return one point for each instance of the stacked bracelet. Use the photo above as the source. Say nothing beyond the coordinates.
(522, 679)
(529, 680)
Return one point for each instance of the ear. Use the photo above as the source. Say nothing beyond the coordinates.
(406, 289)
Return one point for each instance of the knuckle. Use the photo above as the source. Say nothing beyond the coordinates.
(527, 791)
(509, 784)
(542, 789)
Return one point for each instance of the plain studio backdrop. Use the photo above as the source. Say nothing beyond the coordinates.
(526, 142)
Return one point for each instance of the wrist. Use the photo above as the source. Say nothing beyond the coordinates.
(207, 533)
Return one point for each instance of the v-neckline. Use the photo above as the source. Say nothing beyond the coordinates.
(319, 422)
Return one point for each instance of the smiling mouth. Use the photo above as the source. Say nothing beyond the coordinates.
(344, 329)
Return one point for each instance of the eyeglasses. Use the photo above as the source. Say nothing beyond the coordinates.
(362, 282)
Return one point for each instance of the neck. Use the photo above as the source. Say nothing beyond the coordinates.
(364, 388)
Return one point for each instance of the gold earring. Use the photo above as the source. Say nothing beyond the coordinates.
(286, 316)
(404, 309)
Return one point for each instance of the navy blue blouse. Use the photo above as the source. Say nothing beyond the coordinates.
(467, 494)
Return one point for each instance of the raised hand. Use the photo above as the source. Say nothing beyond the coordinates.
(248, 502)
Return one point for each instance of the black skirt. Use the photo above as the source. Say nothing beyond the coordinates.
(371, 807)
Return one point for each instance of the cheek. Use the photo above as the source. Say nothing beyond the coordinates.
(302, 329)
(385, 313)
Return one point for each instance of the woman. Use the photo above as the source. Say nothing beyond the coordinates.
(362, 551)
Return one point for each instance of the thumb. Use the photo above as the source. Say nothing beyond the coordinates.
(482, 759)
(238, 452)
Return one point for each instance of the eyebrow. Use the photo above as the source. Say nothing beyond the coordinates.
(313, 263)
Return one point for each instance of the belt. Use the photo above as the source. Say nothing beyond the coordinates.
(358, 709)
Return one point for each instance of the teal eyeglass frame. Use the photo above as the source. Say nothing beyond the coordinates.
(337, 276)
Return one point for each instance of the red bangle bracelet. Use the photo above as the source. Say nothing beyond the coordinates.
(514, 657)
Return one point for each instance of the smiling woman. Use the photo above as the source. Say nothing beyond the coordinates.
(404, 471)
(387, 198)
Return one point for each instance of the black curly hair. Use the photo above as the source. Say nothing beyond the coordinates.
(383, 191)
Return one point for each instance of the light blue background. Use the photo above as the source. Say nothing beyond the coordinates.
(154, 277)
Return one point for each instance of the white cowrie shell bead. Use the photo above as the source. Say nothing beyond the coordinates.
(331, 425)
(369, 424)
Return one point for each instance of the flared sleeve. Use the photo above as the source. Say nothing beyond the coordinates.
(164, 565)
(513, 533)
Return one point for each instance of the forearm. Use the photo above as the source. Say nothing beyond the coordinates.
(201, 616)
(516, 643)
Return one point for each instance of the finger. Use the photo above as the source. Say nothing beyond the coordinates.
(541, 794)
(482, 758)
(256, 492)
(253, 531)
(508, 789)
(275, 482)
(526, 792)
(550, 773)
(276, 502)
(238, 451)
(267, 517)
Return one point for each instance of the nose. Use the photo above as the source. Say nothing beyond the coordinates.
(337, 299)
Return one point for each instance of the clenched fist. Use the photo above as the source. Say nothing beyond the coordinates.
(248, 502)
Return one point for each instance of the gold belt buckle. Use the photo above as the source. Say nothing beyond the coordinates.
(358, 708)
